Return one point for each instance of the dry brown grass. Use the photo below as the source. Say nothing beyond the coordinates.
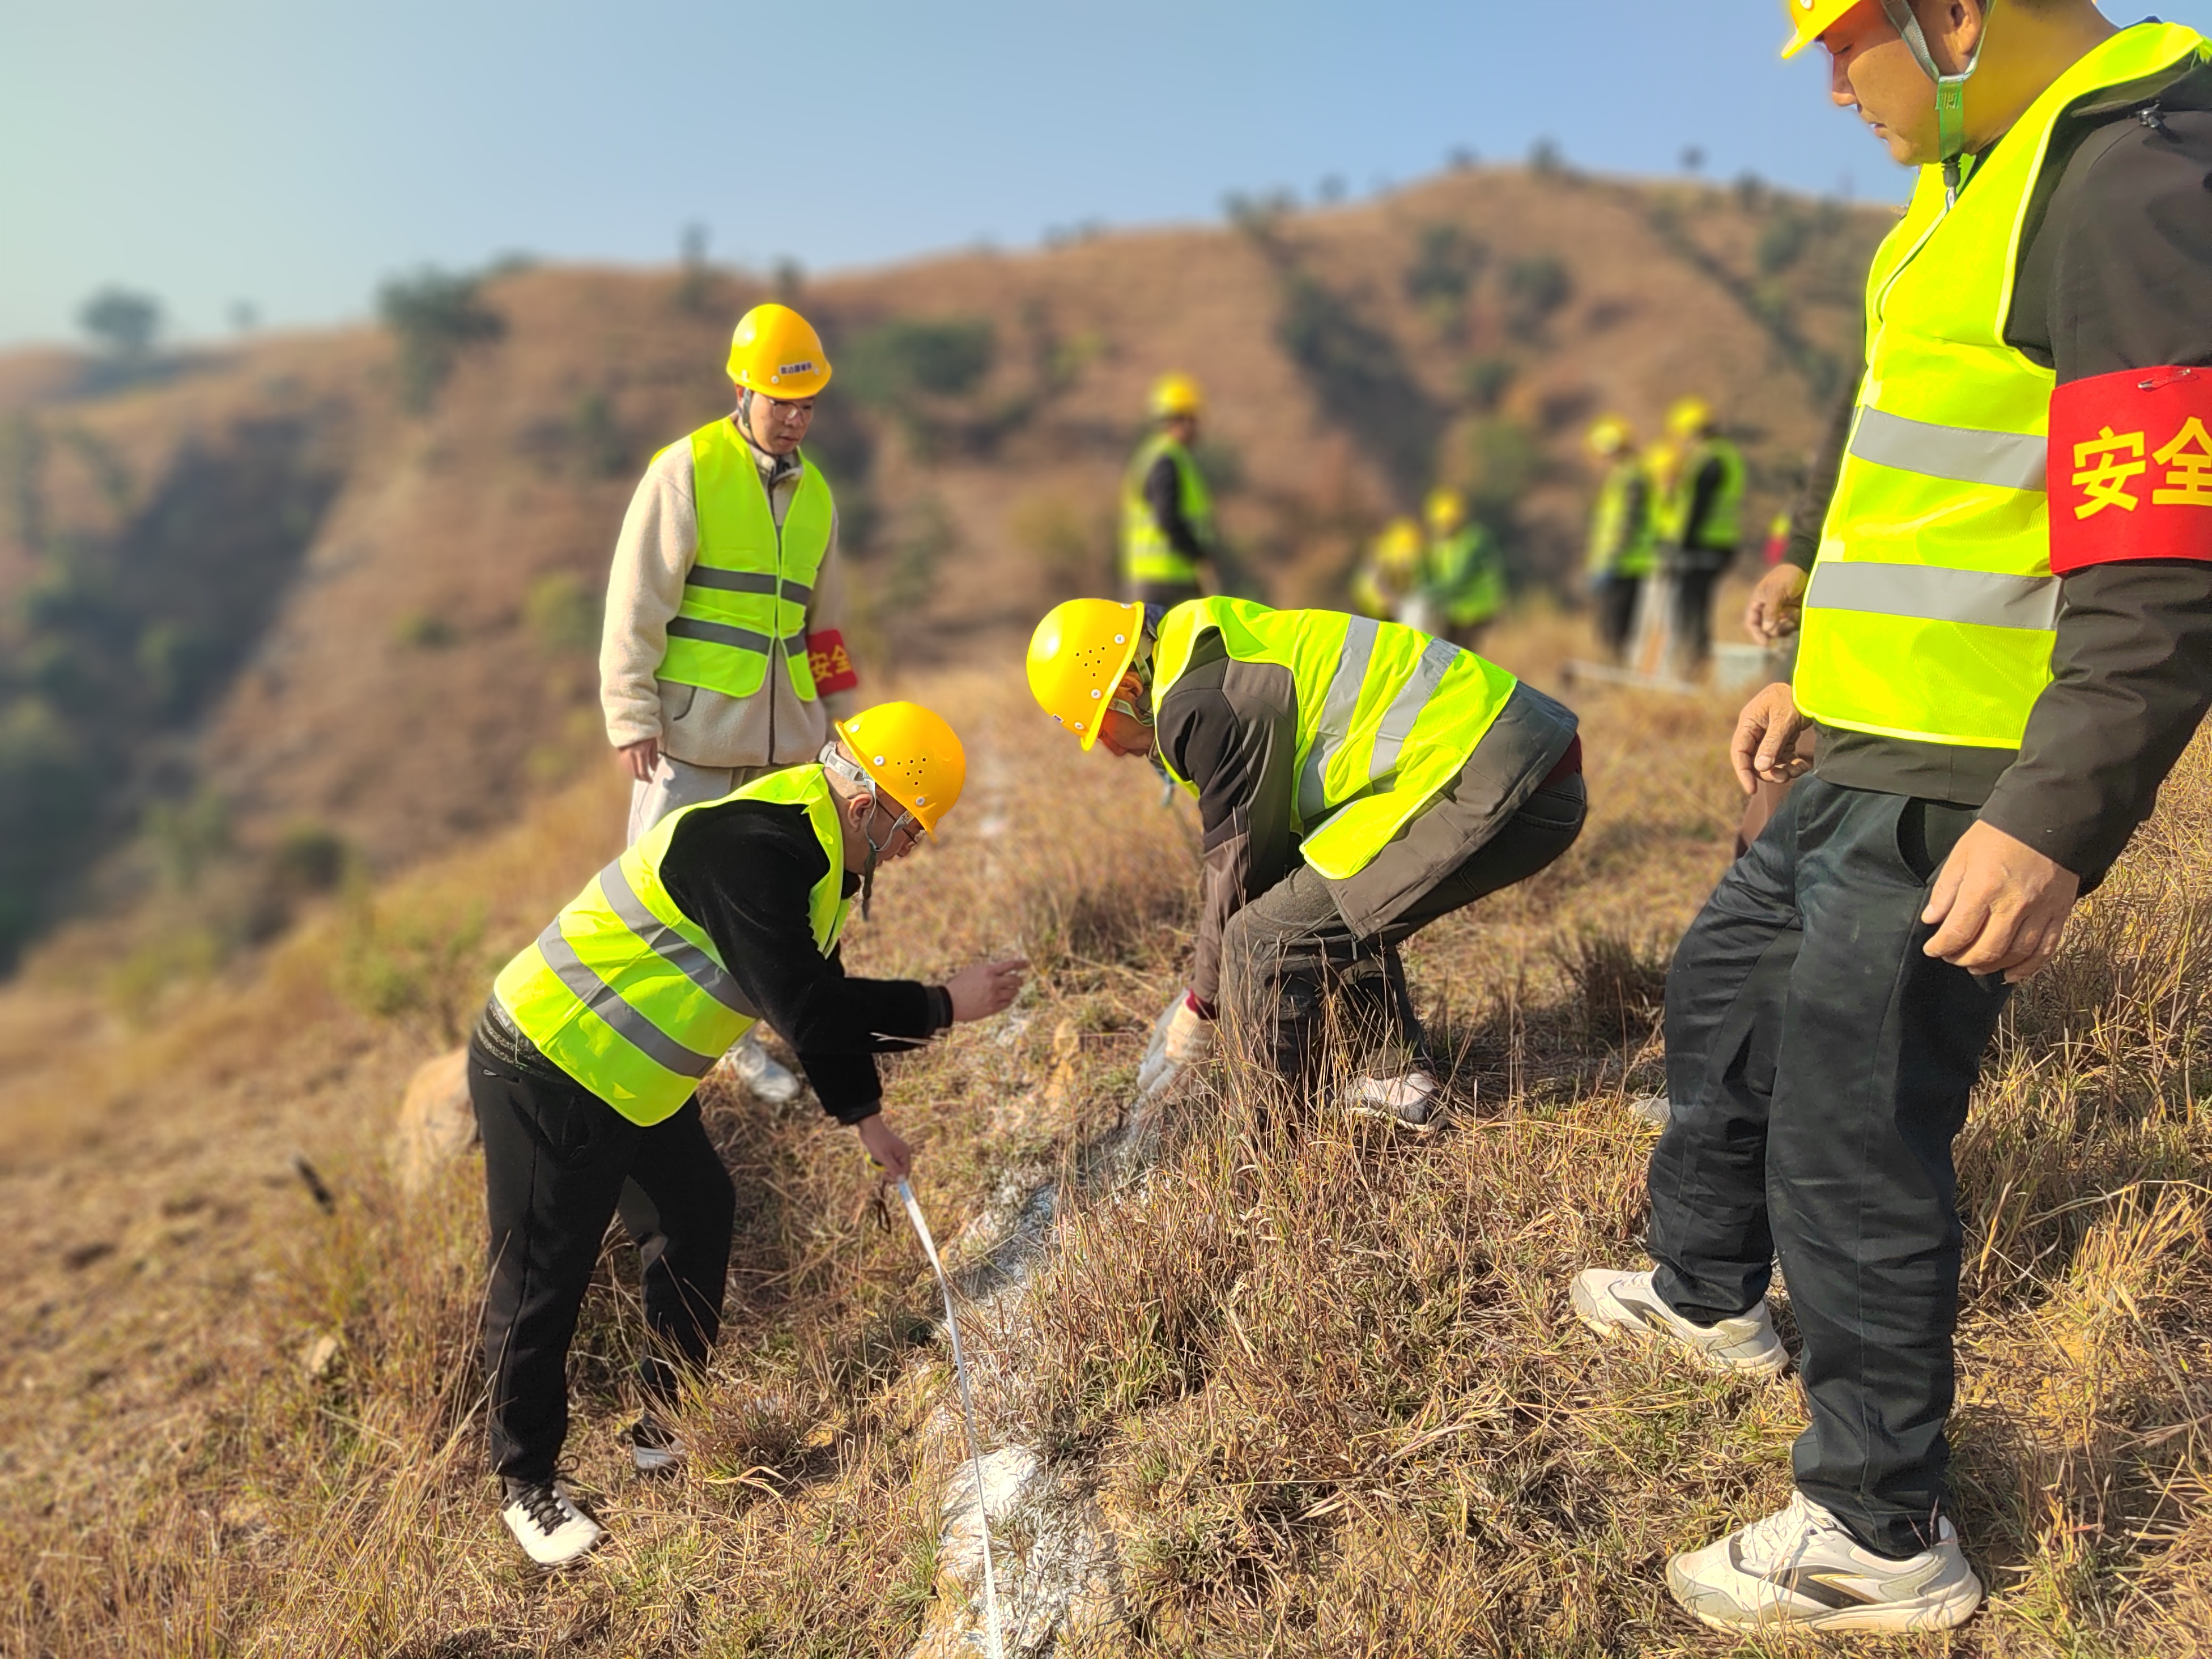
(1322, 1380)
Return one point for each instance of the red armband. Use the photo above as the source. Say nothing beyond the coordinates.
(2131, 467)
(827, 657)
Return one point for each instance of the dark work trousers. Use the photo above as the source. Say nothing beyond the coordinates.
(1693, 616)
(1616, 613)
(558, 1163)
(1288, 951)
(1819, 1065)
(1168, 595)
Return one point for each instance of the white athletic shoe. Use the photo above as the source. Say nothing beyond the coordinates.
(1656, 1111)
(654, 1446)
(1616, 1304)
(1800, 1567)
(1412, 1100)
(762, 1078)
(552, 1531)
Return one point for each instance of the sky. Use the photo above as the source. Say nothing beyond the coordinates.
(289, 156)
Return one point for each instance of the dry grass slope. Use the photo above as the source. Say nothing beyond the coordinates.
(1321, 1381)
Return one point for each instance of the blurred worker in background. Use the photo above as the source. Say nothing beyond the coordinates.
(1167, 513)
(1698, 522)
(723, 656)
(2005, 632)
(584, 1067)
(1462, 585)
(1390, 575)
(1356, 780)
(1620, 533)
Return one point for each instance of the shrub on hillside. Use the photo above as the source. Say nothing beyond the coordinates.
(123, 325)
(1537, 287)
(434, 316)
(563, 612)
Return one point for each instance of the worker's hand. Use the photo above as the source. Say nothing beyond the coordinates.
(892, 1154)
(1777, 604)
(1189, 1035)
(1765, 741)
(984, 988)
(2001, 905)
(641, 759)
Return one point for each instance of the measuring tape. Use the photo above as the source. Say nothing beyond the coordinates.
(967, 1412)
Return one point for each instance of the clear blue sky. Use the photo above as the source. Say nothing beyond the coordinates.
(293, 153)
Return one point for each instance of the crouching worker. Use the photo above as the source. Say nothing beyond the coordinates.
(584, 1067)
(1356, 780)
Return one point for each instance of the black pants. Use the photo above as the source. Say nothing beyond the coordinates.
(1616, 613)
(1289, 950)
(559, 1163)
(1693, 618)
(1819, 1065)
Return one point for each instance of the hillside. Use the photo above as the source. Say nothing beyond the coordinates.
(265, 618)
(1293, 1388)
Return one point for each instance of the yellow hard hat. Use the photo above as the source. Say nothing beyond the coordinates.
(1609, 435)
(1689, 416)
(1078, 656)
(1810, 20)
(776, 353)
(1446, 511)
(912, 754)
(1399, 546)
(1174, 395)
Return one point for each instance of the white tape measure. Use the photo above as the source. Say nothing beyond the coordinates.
(968, 1413)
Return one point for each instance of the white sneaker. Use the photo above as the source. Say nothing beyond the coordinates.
(1412, 1100)
(1616, 1304)
(1655, 1110)
(762, 1078)
(654, 1447)
(552, 1531)
(1800, 1567)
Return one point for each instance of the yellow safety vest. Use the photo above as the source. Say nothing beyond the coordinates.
(628, 995)
(1932, 610)
(1386, 716)
(1723, 527)
(751, 581)
(1465, 576)
(1146, 555)
(1621, 541)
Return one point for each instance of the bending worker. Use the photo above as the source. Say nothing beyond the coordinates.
(2002, 664)
(1167, 513)
(1620, 546)
(722, 658)
(1356, 780)
(584, 1066)
(1463, 573)
(1697, 521)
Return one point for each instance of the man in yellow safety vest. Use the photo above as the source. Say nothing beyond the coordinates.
(1620, 546)
(2004, 632)
(1356, 780)
(584, 1067)
(1167, 512)
(723, 656)
(1462, 587)
(1698, 522)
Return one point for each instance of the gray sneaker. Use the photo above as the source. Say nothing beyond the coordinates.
(1616, 1304)
(1799, 1567)
(654, 1447)
(762, 1078)
(1655, 1110)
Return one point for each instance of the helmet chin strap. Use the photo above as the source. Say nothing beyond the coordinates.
(833, 760)
(1950, 90)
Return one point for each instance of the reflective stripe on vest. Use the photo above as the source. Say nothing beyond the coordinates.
(1146, 554)
(1386, 715)
(750, 581)
(627, 994)
(1932, 610)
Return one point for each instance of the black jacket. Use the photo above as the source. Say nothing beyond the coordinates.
(1163, 494)
(743, 870)
(2115, 273)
